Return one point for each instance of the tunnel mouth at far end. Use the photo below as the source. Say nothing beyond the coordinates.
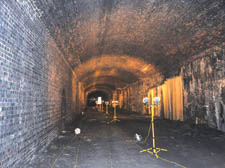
(93, 97)
(111, 73)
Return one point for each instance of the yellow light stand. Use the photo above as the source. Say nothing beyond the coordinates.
(154, 150)
(107, 108)
(102, 108)
(114, 114)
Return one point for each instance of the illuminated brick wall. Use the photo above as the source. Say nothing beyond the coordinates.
(35, 85)
(130, 98)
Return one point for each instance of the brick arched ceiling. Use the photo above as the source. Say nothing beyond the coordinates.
(115, 71)
(162, 33)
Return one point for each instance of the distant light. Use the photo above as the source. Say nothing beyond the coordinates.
(99, 100)
(157, 100)
(146, 100)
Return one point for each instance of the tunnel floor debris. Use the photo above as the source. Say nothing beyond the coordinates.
(103, 145)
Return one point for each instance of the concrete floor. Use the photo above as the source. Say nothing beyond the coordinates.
(102, 145)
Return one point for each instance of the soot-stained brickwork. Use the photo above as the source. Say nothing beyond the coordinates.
(164, 33)
(35, 85)
(204, 83)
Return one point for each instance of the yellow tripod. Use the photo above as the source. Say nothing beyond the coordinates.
(114, 115)
(107, 108)
(154, 150)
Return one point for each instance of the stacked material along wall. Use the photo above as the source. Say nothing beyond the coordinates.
(173, 95)
(170, 93)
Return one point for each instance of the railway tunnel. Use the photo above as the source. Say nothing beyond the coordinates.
(57, 57)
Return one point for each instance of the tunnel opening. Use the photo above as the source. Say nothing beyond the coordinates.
(93, 97)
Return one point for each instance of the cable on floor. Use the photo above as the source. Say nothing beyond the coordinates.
(110, 151)
(77, 155)
(149, 132)
(165, 160)
(59, 156)
(78, 151)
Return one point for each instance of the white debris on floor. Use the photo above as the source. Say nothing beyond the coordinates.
(77, 131)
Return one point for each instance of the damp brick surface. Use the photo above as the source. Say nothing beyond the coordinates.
(35, 86)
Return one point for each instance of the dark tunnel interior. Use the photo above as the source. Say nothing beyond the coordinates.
(58, 56)
(93, 97)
